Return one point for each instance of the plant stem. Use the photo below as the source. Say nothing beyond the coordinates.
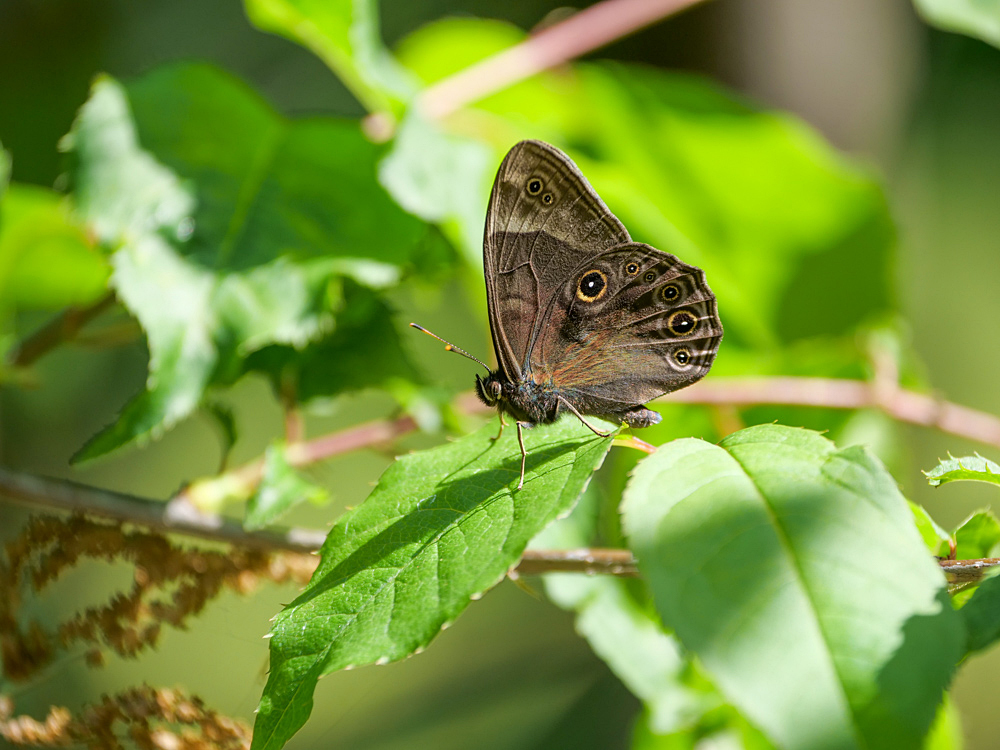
(583, 32)
(57, 494)
(60, 329)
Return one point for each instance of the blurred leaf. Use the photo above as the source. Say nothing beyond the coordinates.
(281, 488)
(624, 631)
(946, 733)
(780, 222)
(978, 18)
(968, 468)
(345, 35)
(978, 536)
(46, 260)
(284, 211)
(935, 538)
(752, 550)
(268, 186)
(441, 178)
(363, 351)
(441, 527)
(981, 616)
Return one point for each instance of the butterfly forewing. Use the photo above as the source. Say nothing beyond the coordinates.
(543, 220)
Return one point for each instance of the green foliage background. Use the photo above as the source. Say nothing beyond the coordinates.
(221, 177)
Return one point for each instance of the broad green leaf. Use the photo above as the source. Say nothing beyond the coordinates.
(621, 627)
(345, 35)
(981, 616)
(364, 350)
(977, 536)
(794, 571)
(46, 259)
(441, 528)
(969, 468)
(281, 488)
(978, 18)
(946, 733)
(441, 178)
(268, 186)
(286, 213)
(935, 538)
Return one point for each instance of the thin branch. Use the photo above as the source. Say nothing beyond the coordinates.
(57, 494)
(63, 327)
(583, 32)
(898, 403)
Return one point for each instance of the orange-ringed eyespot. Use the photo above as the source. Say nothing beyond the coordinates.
(650, 277)
(534, 186)
(682, 323)
(632, 269)
(547, 199)
(592, 286)
(671, 292)
(682, 356)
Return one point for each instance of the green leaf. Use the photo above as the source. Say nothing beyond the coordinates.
(441, 178)
(623, 630)
(46, 259)
(345, 35)
(441, 528)
(977, 536)
(935, 538)
(794, 571)
(969, 468)
(981, 616)
(268, 186)
(281, 488)
(363, 351)
(285, 212)
(977, 18)
(946, 733)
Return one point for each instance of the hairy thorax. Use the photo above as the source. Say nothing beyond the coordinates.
(527, 401)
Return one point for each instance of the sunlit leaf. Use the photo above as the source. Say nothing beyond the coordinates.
(345, 35)
(968, 468)
(935, 538)
(46, 259)
(977, 536)
(441, 527)
(978, 18)
(794, 571)
(284, 211)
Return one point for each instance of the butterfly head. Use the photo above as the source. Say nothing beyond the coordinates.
(489, 389)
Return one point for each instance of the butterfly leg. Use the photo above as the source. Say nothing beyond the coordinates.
(579, 416)
(502, 425)
(524, 453)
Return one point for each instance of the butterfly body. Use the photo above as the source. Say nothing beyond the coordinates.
(583, 319)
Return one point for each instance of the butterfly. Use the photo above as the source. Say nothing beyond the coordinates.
(584, 320)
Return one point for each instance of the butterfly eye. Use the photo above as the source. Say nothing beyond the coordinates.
(682, 357)
(534, 186)
(671, 292)
(682, 322)
(632, 269)
(547, 199)
(650, 277)
(592, 286)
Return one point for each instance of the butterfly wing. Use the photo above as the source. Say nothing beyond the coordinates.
(544, 218)
(626, 326)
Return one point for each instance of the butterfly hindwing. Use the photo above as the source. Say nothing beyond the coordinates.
(627, 325)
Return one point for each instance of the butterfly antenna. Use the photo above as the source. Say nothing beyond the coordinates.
(450, 347)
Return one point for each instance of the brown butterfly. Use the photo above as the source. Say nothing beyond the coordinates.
(583, 319)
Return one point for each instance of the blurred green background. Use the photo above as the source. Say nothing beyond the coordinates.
(920, 106)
